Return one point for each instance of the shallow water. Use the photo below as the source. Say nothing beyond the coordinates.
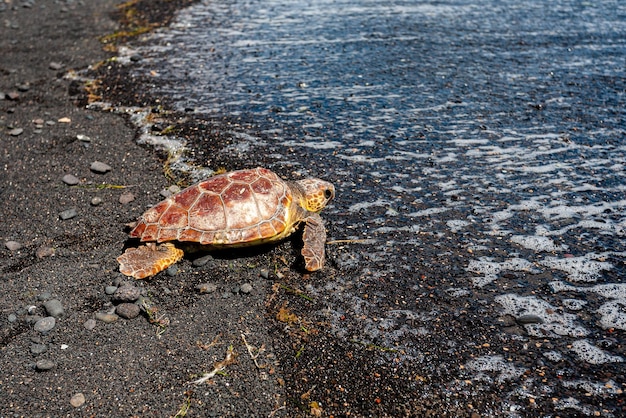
(480, 142)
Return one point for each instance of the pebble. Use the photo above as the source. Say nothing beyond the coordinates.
(126, 197)
(106, 317)
(265, 273)
(39, 122)
(16, 132)
(12, 318)
(13, 95)
(245, 288)
(529, 319)
(44, 251)
(44, 296)
(90, 324)
(55, 65)
(172, 270)
(201, 261)
(83, 138)
(54, 308)
(127, 310)
(226, 295)
(65, 120)
(109, 290)
(70, 180)
(100, 167)
(127, 293)
(68, 214)
(37, 348)
(206, 288)
(13, 245)
(43, 365)
(45, 324)
(96, 201)
(77, 400)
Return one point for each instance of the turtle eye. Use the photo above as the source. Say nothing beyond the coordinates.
(328, 193)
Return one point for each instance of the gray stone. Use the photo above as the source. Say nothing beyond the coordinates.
(127, 293)
(16, 132)
(44, 296)
(109, 290)
(172, 270)
(106, 317)
(44, 251)
(126, 198)
(77, 400)
(13, 245)
(201, 261)
(265, 273)
(45, 325)
(529, 319)
(54, 308)
(90, 324)
(128, 310)
(55, 66)
(43, 365)
(68, 214)
(96, 201)
(70, 180)
(36, 348)
(12, 318)
(246, 288)
(100, 167)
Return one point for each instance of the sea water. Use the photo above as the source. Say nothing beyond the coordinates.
(483, 142)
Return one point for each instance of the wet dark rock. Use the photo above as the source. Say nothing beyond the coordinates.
(529, 319)
(201, 261)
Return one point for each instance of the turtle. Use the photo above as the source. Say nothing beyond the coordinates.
(235, 209)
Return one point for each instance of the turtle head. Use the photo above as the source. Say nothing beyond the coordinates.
(316, 194)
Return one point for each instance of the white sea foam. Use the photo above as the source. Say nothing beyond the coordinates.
(591, 354)
(579, 269)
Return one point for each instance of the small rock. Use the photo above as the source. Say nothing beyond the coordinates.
(126, 197)
(55, 66)
(16, 132)
(50, 123)
(136, 57)
(13, 95)
(68, 214)
(83, 138)
(265, 273)
(226, 295)
(44, 251)
(90, 324)
(127, 293)
(39, 121)
(77, 400)
(109, 290)
(529, 319)
(100, 167)
(245, 288)
(127, 310)
(43, 365)
(38, 348)
(23, 87)
(54, 308)
(12, 318)
(45, 325)
(65, 120)
(13, 245)
(172, 270)
(106, 317)
(70, 180)
(206, 288)
(235, 290)
(174, 188)
(96, 201)
(44, 296)
(201, 261)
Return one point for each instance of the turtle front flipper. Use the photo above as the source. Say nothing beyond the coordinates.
(314, 238)
(148, 260)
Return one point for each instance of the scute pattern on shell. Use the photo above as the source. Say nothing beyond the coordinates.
(238, 207)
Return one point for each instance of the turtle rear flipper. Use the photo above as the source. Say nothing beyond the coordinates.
(148, 260)
(314, 238)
